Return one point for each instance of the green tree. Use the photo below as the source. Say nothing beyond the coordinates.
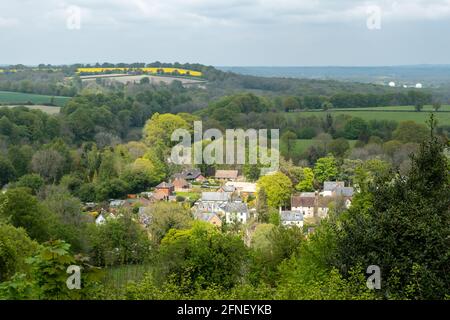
(166, 216)
(325, 169)
(402, 225)
(410, 131)
(49, 164)
(50, 265)
(7, 171)
(278, 188)
(32, 181)
(278, 244)
(288, 139)
(119, 241)
(261, 205)
(72, 223)
(21, 209)
(201, 257)
(159, 128)
(15, 247)
(49, 273)
(436, 106)
(356, 128)
(307, 181)
(20, 157)
(338, 147)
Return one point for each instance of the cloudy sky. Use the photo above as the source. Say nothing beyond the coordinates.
(226, 32)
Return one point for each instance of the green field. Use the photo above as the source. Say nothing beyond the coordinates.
(384, 113)
(46, 109)
(15, 98)
(398, 108)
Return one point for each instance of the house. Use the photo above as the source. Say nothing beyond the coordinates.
(180, 184)
(243, 188)
(223, 205)
(311, 204)
(330, 186)
(291, 218)
(235, 212)
(225, 188)
(190, 175)
(100, 219)
(215, 197)
(336, 188)
(164, 189)
(210, 217)
(116, 203)
(211, 201)
(306, 204)
(323, 204)
(226, 175)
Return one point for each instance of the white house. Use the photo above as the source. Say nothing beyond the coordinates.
(235, 211)
(100, 219)
(304, 203)
(291, 218)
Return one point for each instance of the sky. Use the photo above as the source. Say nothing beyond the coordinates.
(226, 32)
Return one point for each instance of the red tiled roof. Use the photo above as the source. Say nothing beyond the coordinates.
(300, 201)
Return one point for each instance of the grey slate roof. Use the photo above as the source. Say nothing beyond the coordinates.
(228, 188)
(345, 191)
(308, 194)
(189, 174)
(215, 196)
(205, 216)
(235, 207)
(332, 185)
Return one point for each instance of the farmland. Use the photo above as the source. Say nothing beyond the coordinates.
(383, 113)
(125, 79)
(397, 108)
(172, 71)
(17, 98)
(46, 109)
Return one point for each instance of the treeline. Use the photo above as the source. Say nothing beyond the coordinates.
(39, 82)
(239, 102)
(308, 93)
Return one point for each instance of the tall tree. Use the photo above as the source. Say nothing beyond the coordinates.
(403, 226)
(278, 188)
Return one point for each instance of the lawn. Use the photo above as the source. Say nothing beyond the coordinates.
(190, 195)
(15, 98)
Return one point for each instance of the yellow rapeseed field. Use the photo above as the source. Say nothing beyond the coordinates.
(146, 70)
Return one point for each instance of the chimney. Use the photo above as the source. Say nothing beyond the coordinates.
(316, 204)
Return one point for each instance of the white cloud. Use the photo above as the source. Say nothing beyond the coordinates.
(223, 12)
(8, 22)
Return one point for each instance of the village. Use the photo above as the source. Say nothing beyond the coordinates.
(225, 198)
